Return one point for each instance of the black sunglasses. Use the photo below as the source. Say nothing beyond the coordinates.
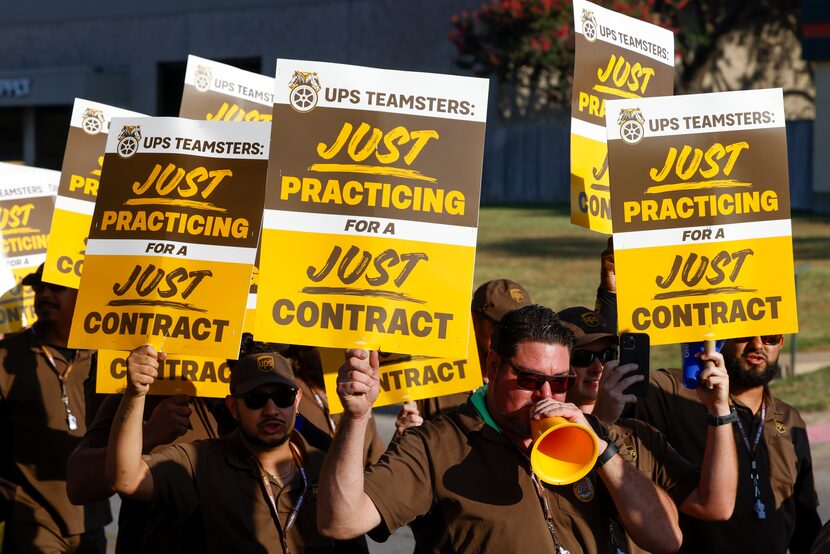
(584, 358)
(283, 397)
(533, 381)
(769, 340)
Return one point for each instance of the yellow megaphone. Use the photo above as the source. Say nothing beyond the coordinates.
(563, 452)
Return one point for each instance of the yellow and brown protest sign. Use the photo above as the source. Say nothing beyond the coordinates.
(173, 237)
(80, 176)
(371, 209)
(616, 57)
(216, 91)
(190, 375)
(27, 199)
(702, 232)
(404, 377)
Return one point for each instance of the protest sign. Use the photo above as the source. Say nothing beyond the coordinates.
(701, 208)
(616, 57)
(190, 375)
(173, 237)
(214, 90)
(371, 209)
(80, 176)
(27, 199)
(220, 92)
(404, 377)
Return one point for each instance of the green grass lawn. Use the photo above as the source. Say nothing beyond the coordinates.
(559, 265)
(806, 393)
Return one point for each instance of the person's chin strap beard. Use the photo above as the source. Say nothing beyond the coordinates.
(743, 379)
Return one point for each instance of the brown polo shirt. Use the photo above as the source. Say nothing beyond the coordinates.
(480, 484)
(222, 479)
(782, 457)
(430, 408)
(37, 441)
(317, 429)
(141, 528)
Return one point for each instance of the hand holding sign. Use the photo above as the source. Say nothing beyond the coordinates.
(169, 421)
(714, 393)
(142, 369)
(358, 382)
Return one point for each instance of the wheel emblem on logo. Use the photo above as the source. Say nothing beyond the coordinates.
(202, 78)
(92, 121)
(589, 25)
(128, 140)
(631, 125)
(305, 86)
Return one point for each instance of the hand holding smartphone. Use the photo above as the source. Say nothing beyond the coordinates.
(635, 349)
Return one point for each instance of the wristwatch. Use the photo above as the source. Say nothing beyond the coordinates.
(609, 452)
(718, 420)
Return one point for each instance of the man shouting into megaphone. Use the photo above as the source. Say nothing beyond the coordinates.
(472, 464)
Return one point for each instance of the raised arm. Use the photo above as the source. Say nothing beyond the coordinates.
(126, 472)
(344, 510)
(714, 497)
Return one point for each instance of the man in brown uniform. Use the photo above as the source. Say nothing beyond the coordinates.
(254, 488)
(472, 464)
(707, 494)
(42, 414)
(775, 508)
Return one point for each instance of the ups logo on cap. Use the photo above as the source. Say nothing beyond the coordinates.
(265, 363)
(590, 319)
(517, 295)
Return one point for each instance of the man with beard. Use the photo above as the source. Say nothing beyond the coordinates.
(253, 488)
(42, 419)
(470, 466)
(775, 508)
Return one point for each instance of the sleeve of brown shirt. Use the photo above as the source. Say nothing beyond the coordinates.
(174, 478)
(653, 456)
(807, 520)
(657, 407)
(400, 484)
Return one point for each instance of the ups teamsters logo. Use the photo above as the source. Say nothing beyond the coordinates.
(590, 319)
(128, 140)
(304, 87)
(92, 121)
(780, 427)
(584, 490)
(517, 295)
(631, 123)
(202, 78)
(589, 25)
(265, 363)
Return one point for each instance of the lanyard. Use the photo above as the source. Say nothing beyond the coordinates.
(71, 420)
(543, 499)
(292, 516)
(759, 507)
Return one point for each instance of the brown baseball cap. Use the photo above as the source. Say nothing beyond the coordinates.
(587, 325)
(34, 278)
(255, 370)
(496, 298)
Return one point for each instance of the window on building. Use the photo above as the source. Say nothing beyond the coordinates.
(171, 81)
(11, 139)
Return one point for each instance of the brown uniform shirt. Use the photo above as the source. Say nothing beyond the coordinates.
(140, 528)
(222, 478)
(318, 431)
(480, 484)
(430, 408)
(782, 457)
(37, 441)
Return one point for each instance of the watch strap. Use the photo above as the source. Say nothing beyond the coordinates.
(609, 452)
(717, 421)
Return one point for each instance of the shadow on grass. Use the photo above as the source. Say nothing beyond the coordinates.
(553, 247)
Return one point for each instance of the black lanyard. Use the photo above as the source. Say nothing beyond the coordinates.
(71, 420)
(759, 507)
(269, 493)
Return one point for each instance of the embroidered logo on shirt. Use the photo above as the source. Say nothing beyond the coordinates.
(584, 490)
(632, 452)
(780, 427)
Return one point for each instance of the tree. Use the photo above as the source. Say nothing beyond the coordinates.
(720, 45)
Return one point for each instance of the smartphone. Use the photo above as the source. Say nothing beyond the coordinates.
(635, 349)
